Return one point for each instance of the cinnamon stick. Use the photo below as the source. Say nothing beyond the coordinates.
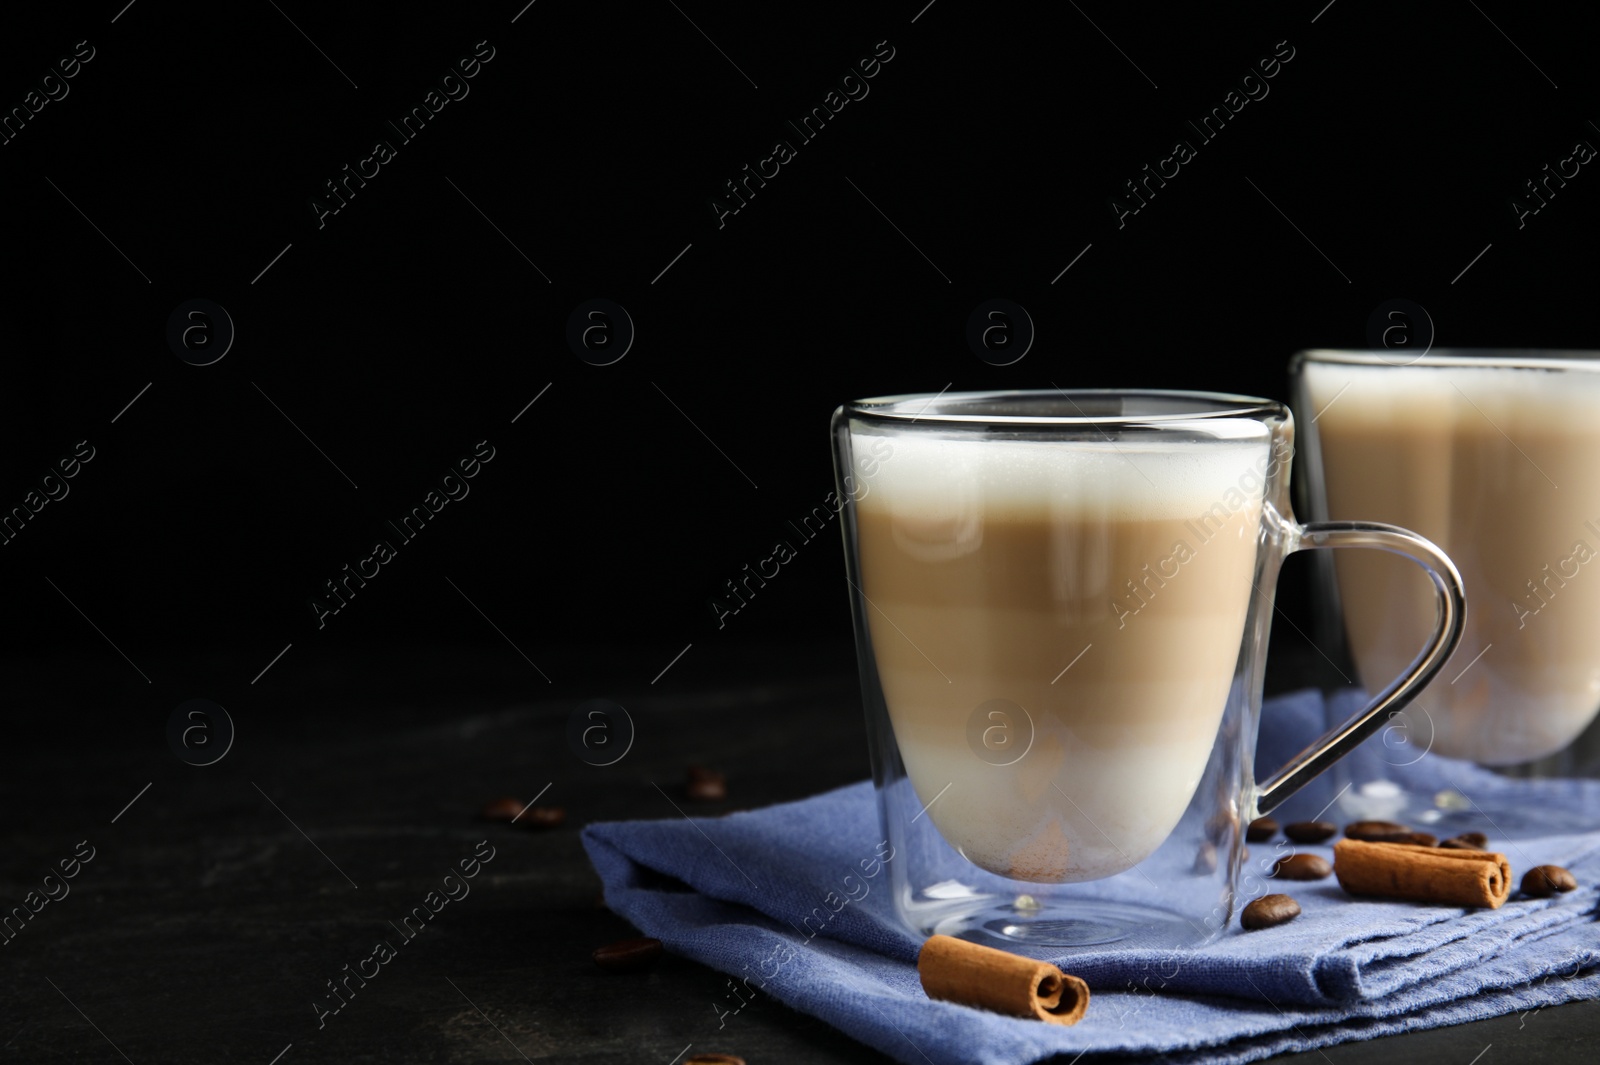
(955, 970)
(1422, 874)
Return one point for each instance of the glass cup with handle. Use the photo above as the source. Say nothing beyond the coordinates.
(1061, 604)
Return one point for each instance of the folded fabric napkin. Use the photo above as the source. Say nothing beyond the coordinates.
(735, 893)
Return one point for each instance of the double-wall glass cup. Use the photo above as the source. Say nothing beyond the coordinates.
(1495, 456)
(1061, 605)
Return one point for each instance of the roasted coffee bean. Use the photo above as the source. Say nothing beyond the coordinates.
(1467, 841)
(1261, 830)
(502, 809)
(1417, 839)
(1377, 831)
(543, 817)
(1302, 867)
(1269, 910)
(1543, 880)
(628, 955)
(713, 1059)
(709, 789)
(1310, 831)
(706, 785)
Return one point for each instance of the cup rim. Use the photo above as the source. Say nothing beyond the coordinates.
(930, 407)
(1572, 359)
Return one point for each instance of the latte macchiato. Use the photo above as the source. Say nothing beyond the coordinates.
(1100, 587)
(1500, 467)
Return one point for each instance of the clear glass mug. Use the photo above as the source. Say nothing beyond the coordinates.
(1061, 605)
(1495, 456)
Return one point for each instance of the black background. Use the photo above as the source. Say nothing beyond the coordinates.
(408, 327)
(375, 351)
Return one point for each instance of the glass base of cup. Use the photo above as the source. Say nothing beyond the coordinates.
(1447, 812)
(1072, 923)
(1440, 815)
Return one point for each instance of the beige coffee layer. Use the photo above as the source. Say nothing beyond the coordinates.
(984, 603)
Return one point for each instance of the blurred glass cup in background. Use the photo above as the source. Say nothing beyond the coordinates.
(1494, 456)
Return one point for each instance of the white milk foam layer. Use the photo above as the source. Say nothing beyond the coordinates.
(1117, 480)
(1541, 398)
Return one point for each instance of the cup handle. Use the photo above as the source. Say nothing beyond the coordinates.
(1342, 739)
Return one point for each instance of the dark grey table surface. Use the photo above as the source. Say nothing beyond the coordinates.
(222, 900)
